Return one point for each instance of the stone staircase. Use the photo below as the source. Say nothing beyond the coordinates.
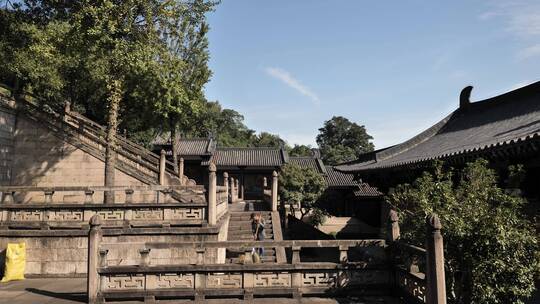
(240, 229)
(89, 136)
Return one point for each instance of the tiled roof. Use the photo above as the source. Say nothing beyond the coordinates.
(308, 162)
(479, 127)
(253, 156)
(365, 190)
(335, 178)
(187, 146)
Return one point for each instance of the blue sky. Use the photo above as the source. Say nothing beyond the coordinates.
(396, 67)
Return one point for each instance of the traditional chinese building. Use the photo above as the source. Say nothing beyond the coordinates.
(504, 130)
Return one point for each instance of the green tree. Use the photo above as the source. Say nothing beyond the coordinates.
(265, 139)
(304, 186)
(342, 140)
(301, 150)
(491, 252)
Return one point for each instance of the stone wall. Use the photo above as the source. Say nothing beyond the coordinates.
(7, 128)
(40, 157)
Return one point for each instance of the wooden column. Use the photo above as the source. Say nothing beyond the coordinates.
(94, 241)
(162, 168)
(274, 190)
(436, 285)
(181, 170)
(212, 193)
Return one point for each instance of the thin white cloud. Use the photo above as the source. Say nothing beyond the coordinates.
(293, 83)
(529, 52)
(521, 19)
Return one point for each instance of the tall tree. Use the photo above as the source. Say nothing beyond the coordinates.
(301, 150)
(341, 140)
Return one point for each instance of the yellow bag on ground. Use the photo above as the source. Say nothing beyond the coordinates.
(15, 262)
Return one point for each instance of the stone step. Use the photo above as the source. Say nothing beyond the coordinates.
(247, 227)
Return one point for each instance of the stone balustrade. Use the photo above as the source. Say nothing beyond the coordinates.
(415, 273)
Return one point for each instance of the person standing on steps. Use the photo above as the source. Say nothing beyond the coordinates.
(257, 227)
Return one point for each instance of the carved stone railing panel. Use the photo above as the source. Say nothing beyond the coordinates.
(272, 280)
(411, 285)
(224, 280)
(125, 282)
(19, 216)
(170, 280)
(319, 279)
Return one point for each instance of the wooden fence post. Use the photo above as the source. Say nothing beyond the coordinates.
(436, 285)
(212, 193)
(94, 241)
(274, 190)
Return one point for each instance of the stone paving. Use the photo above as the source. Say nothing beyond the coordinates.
(73, 290)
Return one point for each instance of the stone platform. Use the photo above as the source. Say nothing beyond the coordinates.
(73, 290)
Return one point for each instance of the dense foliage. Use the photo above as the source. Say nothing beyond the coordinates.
(341, 140)
(491, 251)
(304, 186)
(301, 150)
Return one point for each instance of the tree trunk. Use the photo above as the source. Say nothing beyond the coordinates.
(115, 96)
(174, 143)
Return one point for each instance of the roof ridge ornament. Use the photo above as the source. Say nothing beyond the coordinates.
(465, 97)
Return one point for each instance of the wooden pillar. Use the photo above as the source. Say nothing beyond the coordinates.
(162, 168)
(393, 226)
(181, 170)
(226, 184)
(94, 240)
(274, 190)
(212, 193)
(436, 285)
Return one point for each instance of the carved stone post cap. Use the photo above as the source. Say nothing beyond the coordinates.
(103, 251)
(144, 250)
(225, 175)
(394, 217)
(274, 173)
(212, 167)
(162, 152)
(200, 250)
(181, 159)
(129, 191)
(433, 222)
(95, 221)
(48, 191)
(88, 191)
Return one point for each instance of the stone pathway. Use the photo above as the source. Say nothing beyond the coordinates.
(73, 290)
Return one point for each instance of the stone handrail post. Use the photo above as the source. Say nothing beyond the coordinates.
(212, 194)
(295, 254)
(162, 168)
(435, 281)
(181, 170)
(48, 196)
(393, 226)
(94, 240)
(129, 196)
(231, 186)
(7, 197)
(88, 196)
(343, 254)
(166, 195)
(274, 190)
(265, 183)
(67, 109)
(145, 256)
(237, 188)
(226, 185)
(200, 255)
(103, 258)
